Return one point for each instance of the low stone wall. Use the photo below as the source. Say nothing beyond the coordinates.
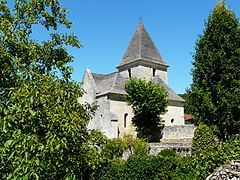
(181, 148)
(177, 132)
(177, 138)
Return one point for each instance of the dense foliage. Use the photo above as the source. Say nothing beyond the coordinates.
(207, 155)
(43, 132)
(187, 106)
(140, 167)
(215, 91)
(114, 149)
(206, 151)
(148, 101)
(20, 55)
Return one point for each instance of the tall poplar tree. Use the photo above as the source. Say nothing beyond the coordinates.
(215, 91)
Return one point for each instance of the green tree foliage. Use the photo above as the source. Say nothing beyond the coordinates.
(206, 151)
(136, 146)
(215, 91)
(207, 155)
(187, 106)
(167, 153)
(114, 149)
(231, 149)
(43, 132)
(149, 167)
(20, 55)
(203, 140)
(148, 101)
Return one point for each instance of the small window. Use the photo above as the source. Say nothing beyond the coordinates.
(129, 73)
(172, 120)
(154, 72)
(125, 120)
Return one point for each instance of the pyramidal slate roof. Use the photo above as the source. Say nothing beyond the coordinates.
(171, 94)
(114, 83)
(110, 83)
(141, 47)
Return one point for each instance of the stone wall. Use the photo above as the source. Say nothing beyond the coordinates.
(120, 109)
(171, 133)
(182, 148)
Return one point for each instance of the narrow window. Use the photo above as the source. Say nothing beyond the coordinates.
(125, 120)
(129, 73)
(172, 120)
(154, 72)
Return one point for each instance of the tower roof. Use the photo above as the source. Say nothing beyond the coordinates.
(142, 48)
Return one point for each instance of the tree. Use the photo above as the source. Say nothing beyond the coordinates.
(215, 91)
(148, 101)
(43, 132)
(206, 151)
(185, 96)
(20, 55)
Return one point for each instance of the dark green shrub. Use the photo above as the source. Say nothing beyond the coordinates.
(206, 151)
(150, 167)
(140, 147)
(113, 170)
(232, 149)
(167, 153)
(114, 149)
(203, 140)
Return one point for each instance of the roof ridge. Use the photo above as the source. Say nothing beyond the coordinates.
(114, 82)
(92, 80)
(140, 42)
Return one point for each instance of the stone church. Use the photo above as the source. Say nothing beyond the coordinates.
(141, 60)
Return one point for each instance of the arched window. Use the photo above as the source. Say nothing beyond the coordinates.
(129, 73)
(172, 120)
(125, 120)
(154, 72)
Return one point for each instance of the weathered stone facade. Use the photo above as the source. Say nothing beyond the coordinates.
(141, 60)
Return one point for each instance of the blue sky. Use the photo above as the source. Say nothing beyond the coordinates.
(105, 28)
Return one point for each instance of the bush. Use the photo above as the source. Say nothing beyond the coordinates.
(114, 149)
(184, 169)
(114, 171)
(140, 147)
(232, 149)
(167, 153)
(141, 167)
(206, 151)
(136, 146)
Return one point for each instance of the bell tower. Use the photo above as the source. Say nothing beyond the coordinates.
(142, 59)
